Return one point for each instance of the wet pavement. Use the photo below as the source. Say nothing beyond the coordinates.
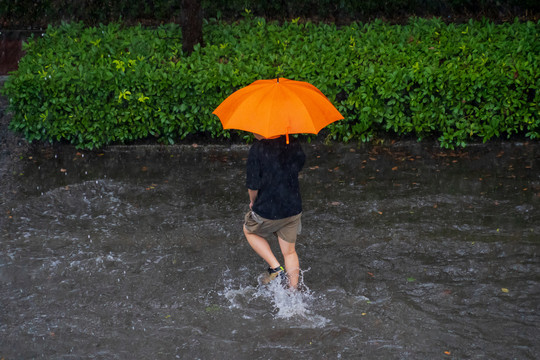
(408, 251)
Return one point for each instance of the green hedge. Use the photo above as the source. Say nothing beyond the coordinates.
(93, 86)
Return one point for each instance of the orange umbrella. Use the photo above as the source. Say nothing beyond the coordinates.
(277, 107)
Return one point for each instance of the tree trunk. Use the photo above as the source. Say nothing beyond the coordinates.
(191, 23)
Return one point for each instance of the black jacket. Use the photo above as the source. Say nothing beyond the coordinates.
(272, 169)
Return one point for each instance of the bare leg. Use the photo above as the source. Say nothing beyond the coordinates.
(292, 265)
(261, 247)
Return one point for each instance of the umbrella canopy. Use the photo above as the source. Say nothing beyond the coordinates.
(277, 107)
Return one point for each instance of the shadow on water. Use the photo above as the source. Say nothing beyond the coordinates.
(407, 251)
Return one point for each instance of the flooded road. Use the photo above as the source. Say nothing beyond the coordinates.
(407, 251)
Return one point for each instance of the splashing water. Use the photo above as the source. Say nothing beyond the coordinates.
(285, 303)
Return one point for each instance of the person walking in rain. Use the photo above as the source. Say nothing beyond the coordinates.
(271, 107)
(275, 203)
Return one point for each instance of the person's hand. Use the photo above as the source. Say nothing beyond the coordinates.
(251, 205)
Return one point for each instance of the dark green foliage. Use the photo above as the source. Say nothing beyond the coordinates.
(21, 14)
(93, 86)
(39, 13)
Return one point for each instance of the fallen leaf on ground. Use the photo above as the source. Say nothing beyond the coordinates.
(504, 290)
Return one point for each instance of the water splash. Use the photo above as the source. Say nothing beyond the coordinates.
(282, 302)
(287, 302)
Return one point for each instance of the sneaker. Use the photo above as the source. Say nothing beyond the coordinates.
(272, 274)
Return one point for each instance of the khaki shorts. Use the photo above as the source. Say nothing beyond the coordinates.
(287, 229)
